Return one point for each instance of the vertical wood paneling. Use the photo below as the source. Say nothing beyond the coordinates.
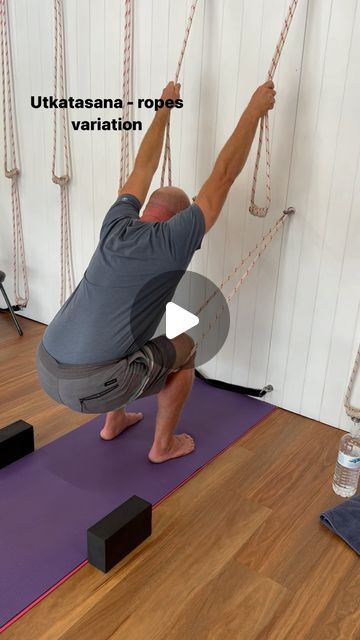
(321, 153)
(79, 196)
(283, 123)
(215, 246)
(338, 201)
(232, 22)
(31, 70)
(300, 174)
(296, 321)
(142, 61)
(346, 321)
(243, 237)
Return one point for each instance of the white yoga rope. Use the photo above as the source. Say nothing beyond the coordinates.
(267, 238)
(66, 263)
(167, 153)
(265, 241)
(12, 172)
(264, 123)
(352, 411)
(127, 91)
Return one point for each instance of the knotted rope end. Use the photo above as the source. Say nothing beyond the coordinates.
(259, 212)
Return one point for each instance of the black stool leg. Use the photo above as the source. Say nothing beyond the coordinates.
(19, 329)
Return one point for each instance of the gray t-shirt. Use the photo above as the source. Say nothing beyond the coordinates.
(133, 273)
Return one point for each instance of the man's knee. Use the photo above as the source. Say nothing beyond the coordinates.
(185, 351)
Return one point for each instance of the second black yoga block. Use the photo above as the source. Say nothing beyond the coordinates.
(16, 441)
(118, 533)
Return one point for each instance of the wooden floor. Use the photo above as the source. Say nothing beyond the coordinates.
(236, 553)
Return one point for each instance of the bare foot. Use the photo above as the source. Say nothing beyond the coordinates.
(118, 423)
(179, 446)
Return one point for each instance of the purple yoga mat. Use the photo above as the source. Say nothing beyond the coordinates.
(49, 499)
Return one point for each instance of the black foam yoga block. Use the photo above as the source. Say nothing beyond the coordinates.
(16, 441)
(113, 537)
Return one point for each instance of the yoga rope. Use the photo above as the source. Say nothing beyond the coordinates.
(264, 123)
(265, 241)
(13, 172)
(352, 411)
(167, 153)
(127, 90)
(66, 266)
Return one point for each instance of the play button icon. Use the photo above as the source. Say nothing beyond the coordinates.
(178, 320)
(173, 303)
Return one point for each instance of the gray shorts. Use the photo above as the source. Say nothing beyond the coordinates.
(97, 388)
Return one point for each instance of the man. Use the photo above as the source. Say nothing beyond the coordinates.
(91, 358)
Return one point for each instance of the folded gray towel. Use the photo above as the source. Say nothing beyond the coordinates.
(344, 520)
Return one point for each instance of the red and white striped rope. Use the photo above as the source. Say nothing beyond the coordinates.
(167, 152)
(12, 172)
(237, 268)
(352, 412)
(127, 91)
(264, 124)
(267, 238)
(62, 180)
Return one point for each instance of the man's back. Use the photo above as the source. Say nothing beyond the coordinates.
(132, 275)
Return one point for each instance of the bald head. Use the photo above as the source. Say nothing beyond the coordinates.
(164, 203)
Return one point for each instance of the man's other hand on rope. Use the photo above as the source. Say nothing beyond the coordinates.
(171, 92)
(263, 99)
(232, 157)
(148, 157)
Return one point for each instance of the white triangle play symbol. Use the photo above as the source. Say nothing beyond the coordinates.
(178, 320)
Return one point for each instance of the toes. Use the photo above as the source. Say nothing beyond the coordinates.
(188, 441)
(135, 417)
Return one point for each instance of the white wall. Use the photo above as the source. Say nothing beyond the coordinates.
(296, 322)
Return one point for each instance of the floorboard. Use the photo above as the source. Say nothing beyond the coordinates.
(237, 553)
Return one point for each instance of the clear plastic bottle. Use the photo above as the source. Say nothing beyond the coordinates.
(347, 470)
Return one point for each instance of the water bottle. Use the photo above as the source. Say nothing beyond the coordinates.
(347, 470)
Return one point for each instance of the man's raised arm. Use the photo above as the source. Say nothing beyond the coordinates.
(148, 156)
(233, 156)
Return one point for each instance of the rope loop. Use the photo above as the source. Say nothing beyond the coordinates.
(12, 173)
(10, 138)
(260, 212)
(352, 412)
(254, 209)
(66, 261)
(61, 180)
